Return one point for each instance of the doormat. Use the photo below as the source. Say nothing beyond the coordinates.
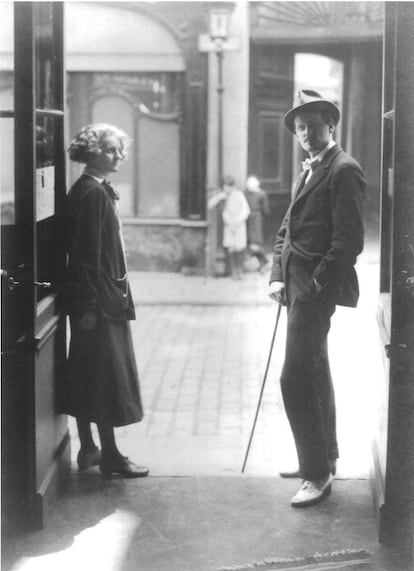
(346, 560)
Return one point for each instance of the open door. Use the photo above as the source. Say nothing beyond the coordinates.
(393, 450)
(35, 438)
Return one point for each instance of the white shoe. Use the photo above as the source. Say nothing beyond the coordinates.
(312, 492)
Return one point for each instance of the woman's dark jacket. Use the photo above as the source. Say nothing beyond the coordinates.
(97, 279)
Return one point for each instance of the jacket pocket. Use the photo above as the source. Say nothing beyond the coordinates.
(300, 275)
(113, 296)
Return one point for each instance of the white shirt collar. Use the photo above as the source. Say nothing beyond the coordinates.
(94, 173)
(320, 156)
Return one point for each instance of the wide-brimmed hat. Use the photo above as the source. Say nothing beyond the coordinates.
(307, 100)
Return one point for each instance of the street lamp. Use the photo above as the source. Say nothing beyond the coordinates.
(219, 20)
(217, 40)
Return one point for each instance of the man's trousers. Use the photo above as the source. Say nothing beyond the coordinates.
(306, 381)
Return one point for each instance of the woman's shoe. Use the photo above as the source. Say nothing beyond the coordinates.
(88, 458)
(124, 467)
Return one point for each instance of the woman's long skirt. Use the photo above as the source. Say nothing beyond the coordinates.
(102, 384)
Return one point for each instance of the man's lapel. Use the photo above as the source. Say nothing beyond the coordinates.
(300, 182)
(319, 174)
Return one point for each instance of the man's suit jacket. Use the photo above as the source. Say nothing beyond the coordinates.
(323, 230)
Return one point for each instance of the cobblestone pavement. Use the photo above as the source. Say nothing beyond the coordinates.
(201, 367)
(202, 345)
(202, 370)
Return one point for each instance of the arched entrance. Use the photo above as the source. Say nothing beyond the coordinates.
(149, 78)
(282, 36)
(136, 81)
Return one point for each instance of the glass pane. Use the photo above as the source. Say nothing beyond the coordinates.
(133, 101)
(47, 72)
(6, 53)
(46, 228)
(158, 92)
(45, 135)
(158, 168)
(117, 111)
(7, 200)
(7, 170)
(387, 205)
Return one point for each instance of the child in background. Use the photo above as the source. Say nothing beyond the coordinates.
(235, 213)
(259, 208)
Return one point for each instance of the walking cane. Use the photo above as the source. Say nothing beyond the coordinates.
(263, 386)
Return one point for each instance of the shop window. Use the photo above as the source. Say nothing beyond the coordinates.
(147, 106)
(158, 168)
(117, 111)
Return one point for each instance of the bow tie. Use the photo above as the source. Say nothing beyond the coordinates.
(310, 164)
(112, 192)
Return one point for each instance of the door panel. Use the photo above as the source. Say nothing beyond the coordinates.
(49, 344)
(35, 436)
(270, 145)
(394, 444)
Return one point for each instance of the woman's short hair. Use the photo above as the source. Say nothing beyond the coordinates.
(89, 141)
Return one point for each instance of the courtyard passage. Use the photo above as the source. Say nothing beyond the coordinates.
(202, 345)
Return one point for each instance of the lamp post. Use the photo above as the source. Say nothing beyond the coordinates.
(219, 20)
(217, 40)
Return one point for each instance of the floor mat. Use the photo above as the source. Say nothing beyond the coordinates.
(347, 560)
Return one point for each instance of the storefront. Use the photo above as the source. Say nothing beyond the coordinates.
(149, 78)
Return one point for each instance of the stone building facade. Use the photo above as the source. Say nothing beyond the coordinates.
(150, 76)
(140, 66)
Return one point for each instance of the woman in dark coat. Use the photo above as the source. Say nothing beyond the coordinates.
(102, 385)
(259, 208)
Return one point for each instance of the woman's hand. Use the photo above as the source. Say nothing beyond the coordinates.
(87, 321)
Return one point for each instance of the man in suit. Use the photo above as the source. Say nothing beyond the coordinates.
(313, 271)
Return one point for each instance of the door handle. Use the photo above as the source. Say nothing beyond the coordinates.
(409, 284)
(11, 282)
(43, 285)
